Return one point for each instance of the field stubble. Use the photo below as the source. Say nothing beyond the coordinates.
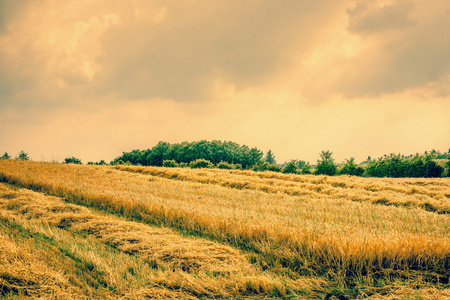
(150, 262)
(338, 228)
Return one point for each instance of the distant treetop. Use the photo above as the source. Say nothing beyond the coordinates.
(187, 152)
(6, 156)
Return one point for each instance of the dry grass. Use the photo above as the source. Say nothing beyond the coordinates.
(428, 194)
(175, 267)
(22, 275)
(156, 244)
(323, 230)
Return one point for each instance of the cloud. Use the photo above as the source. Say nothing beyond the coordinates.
(365, 18)
(297, 77)
(71, 53)
(180, 55)
(407, 48)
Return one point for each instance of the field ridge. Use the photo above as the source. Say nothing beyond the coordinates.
(313, 185)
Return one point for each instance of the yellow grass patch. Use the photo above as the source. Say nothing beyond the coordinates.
(179, 264)
(329, 229)
(428, 194)
(22, 275)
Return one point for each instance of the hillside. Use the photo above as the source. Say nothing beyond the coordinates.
(76, 231)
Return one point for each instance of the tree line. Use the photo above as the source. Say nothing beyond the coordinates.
(184, 153)
(230, 155)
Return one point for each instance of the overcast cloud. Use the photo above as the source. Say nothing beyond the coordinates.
(94, 78)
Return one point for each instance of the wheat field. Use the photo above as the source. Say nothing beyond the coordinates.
(221, 234)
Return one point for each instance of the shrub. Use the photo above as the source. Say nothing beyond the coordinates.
(102, 162)
(351, 168)
(432, 169)
(23, 156)
(291, 167)
(5, 156)
(238, 166)
(273, 168)
(306, 169)
(200, 163)
(72, 160)
(397, 166)
(326, 165)
(225, 165)
(170, 163)
(115, 162)
(261, 166)
(447, 165)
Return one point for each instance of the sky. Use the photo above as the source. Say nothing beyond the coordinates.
(92, 79)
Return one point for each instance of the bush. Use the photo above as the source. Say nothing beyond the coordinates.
(102, 162)
(306, 169)
(291, 167)
(115, 162)
(261, 166)
(5, 156)
(326, 165)
(398, 166)
(350, 168)
(226, 166)
(447, 165)
(23, 156)
(273, 168)
(432, 169)
(170, 163)
(238, 166)
(200, 163)
(72, 160)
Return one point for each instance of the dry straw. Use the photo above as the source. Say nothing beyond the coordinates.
(177, 267)
(343, 227)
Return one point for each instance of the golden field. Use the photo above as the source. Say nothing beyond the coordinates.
(226, 233)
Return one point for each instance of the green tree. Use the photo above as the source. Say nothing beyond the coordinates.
(300, 164)
(351, 168)
(186, 152)
(6, 156)
(270, 158)
(447, 164)
(72, 160)
(396, 165)
(156, 155)
(306, 169)
(326, 165)
(273, 168)
(291, 167)
(23, 156)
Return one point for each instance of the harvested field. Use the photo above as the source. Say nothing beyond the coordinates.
(428, 194)
(178, 267)
(241, 234)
